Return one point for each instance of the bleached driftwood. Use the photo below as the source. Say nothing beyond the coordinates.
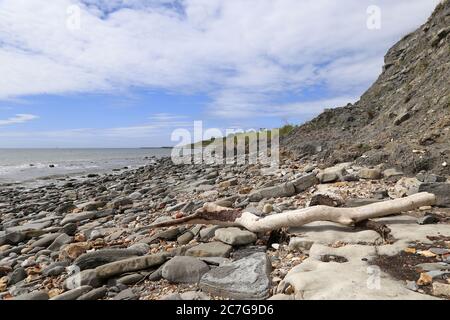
(217, 215)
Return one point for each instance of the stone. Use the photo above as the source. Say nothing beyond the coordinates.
(130, 279)
(432, 266)
(371, 174)
(97, 258)
(171, 297)
(305, 182)
(402, 117)
(127, 294)
(424, 279)
(246, 278)
(441, 289)
(45, 240)
(389, 173)
(268, 208)
(411, 285)
(208, 232)
(210, 249)
(73, 250)
(405, 187)
(55, 271)
(12, 238)
(129, 265)
(185, 238)
(139, 248)
(73, 294)
(440, 190)
(332, 174)
(299, 244)
(17, 275)
(283, 190)
(70, 229)
(235, 236)
(59, 242)
(355, 279)
(184, 270)
(94, 294)
(35, 295)
(330, 200)
(428, 219)
(83, 278)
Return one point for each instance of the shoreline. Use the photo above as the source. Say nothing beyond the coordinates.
(101, 225)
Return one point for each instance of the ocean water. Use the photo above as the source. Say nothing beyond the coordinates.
(28, 165)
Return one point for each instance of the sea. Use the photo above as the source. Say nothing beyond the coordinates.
(44, 165)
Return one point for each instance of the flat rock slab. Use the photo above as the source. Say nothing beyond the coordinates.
(406, 230)
(184, 270)
(317, 280)
(247, 278)
(329, 233)
(130, 265)
(211, 249)
(235, 236)
(29, 227)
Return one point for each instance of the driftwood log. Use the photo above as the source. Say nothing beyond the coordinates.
(213, 214)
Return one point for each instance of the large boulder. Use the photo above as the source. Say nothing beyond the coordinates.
(440, 190)
(184, 270)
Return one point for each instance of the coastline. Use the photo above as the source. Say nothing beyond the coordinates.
(50, 229)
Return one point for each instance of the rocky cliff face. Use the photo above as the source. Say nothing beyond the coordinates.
(403, 120)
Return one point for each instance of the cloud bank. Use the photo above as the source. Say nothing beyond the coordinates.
(244, 55)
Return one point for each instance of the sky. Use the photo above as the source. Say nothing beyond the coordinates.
(127, 73)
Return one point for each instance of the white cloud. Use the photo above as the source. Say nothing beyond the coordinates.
(18, 118)
(243, 54)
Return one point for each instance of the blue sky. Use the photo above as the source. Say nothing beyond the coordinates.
(126, 73)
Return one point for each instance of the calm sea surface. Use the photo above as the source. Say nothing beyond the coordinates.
(20, 165)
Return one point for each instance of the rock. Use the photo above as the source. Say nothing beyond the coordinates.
(73, 250)
(411, 285)
(331, 174)
(94, 294)
(45, 240)
(184, 270)
(325, 200)
(428, 219)
(440, 190)
(299, 244)
(83, 278)
(353, 203)
(130, 265)
(429, 177)
(371, 174)
(54, 272)
(439, 251)
(210, 249)
(432, 266)
(139, 248)
(268, 208)
(235, 236)
(441, 289)
(283, 190)
(120, 202)
(424, 279)
(97, 258)
(314, 279)
(405, 187)
(402, 117)
(12, 238)
(127, 294)
(59, 242)
(135, 195)
(35, 295)
(70, 229)
(130, 279)
(17, 275)
(247, 278)
(185, 238)
(208, 232)
(73, 294)
(389, 173)
(305, 182)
